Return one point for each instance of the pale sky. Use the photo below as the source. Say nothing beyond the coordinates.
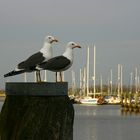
(113, 25)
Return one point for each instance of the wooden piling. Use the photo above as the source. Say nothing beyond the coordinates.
(37, 111)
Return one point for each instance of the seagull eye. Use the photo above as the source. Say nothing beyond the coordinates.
(49, 37)
(72, 44)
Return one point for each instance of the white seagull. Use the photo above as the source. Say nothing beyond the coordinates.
(62, 62)
(30, 63)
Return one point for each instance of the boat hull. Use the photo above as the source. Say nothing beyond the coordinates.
(89, 101)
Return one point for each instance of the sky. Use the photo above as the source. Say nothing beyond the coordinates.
(112, 25)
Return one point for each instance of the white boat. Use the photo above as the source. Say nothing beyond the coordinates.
(89, 100)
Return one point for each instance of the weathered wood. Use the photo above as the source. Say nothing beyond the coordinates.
(36, 118)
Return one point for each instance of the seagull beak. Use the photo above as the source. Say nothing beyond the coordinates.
(77, 46)
(54, 40)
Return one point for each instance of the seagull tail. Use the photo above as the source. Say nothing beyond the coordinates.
(12, 73)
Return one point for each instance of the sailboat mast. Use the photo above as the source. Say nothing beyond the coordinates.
(121, 69)
(87, 71)
(45, 76)
(63, 76)
(84, 81)
(136, 80)
(108, 81)
(73, 82)
(118, 80)
(25, 77)
(80, 82)
(111, 81)
(94, 71)
(101, 84)
(131, 82)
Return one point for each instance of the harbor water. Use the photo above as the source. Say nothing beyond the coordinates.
(104, 122)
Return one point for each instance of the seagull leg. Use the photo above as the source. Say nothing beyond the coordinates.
(39, 76)
(60, 76)
(56, 76)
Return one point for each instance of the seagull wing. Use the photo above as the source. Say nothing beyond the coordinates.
(56, 64)
(32, 61)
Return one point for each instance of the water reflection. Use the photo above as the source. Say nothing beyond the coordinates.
(104, 123)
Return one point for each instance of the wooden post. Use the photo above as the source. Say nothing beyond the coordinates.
(37, 111)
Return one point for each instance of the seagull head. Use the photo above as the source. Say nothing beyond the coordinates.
(73, 45)
(50, 39)
(69, 50)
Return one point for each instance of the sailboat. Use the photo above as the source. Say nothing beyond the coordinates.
(88, 99)
(111, 98)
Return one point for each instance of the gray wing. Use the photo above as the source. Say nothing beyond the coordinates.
(32, 61)
(56, 64)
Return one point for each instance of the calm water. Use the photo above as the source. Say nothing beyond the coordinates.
(104, 123)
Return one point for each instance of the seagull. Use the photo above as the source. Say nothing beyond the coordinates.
(62, 62)
(30, 63)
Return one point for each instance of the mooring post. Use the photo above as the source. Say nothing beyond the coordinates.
(37, 111)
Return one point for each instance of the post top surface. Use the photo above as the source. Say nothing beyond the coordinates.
(37, 89)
